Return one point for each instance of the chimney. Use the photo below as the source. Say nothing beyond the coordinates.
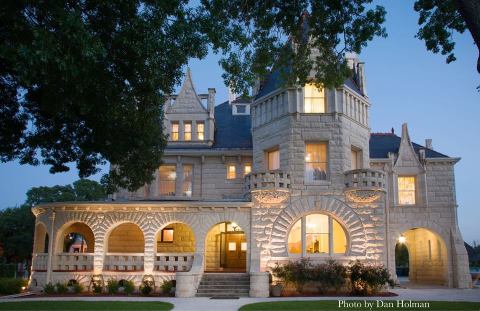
(211, 102)
(428, 143)
(361, 77)
(231, 95)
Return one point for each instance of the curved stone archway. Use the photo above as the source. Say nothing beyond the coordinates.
(327, 205)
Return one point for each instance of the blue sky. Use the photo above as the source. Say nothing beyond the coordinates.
(405, 83)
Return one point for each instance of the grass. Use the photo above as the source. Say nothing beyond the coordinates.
(325, 305)
(86, 305)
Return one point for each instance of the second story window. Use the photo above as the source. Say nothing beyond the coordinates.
(174, 131)
(356, 157)
(247, 169)
(406, 190)
(200, 131)
(187, 181)
(231, 172)
(316, 161)
(273, 158)
(167, 178)
(187, 133)
(314, 100)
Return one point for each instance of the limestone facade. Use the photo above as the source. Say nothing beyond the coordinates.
(246, 167)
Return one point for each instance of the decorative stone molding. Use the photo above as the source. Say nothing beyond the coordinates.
(362, 196)
(270, 196)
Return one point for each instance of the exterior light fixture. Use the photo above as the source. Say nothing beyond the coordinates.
(402, 239)
(234, 226)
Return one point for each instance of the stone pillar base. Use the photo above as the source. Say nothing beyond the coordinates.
(259, 284)
(186, 284)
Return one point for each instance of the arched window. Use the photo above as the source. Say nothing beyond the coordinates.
(317, 234)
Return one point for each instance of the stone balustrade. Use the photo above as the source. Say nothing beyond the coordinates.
(364, 185)
(126, 262)
(39, 262)
(173, 262)
(73, 262)
(267, 181)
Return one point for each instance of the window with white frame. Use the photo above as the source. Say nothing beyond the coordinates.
(175, 131)
(187, 182)
(317, 234)
(314, 99)
(316, 163)
(200, 131)
(406, 190)
(231, 171)
(247, 169)
(187, 131)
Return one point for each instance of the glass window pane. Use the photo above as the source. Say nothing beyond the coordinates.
(248, 169)
(273, 160)
(187, 180)
(295, 238)
(339, 239)
(315, 161)
(406, 190)
(231, 172)
(167, 235)
(317, 233)
(317, 243)
(200, 131)
(232, 246)
(314, 100)
(188, 131)
(317, 223)
(175, 131)
(167, 177)
(354, 160)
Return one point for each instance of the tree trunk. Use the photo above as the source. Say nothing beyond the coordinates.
(470, 12)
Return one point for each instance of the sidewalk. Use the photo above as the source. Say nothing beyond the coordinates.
(188, 304)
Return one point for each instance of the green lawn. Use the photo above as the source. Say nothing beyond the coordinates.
(86, 305)
(325, 305)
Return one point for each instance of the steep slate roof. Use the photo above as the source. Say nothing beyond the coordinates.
(274, 81)
(383, 143)
(231, 131)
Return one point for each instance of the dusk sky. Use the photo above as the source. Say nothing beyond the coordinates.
(405, 83)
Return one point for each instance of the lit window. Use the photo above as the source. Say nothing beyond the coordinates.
(167, 235)
(321, 231)
(315, 161)
(200, 131)
(231, 172)
(247, 169)
(167, 178)
(243, 247)
(314, 99)
(232, 246)
(187, 133)
(187, 180)
(406, 190)
(273, 160)
(174, 131)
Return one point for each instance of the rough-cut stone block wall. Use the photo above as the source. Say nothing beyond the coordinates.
(183, 240)
(126, 238)
(212, 247)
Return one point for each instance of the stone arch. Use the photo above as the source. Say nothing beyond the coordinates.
(74, 226)
(343, 213)
(187, 235)
(41, 238)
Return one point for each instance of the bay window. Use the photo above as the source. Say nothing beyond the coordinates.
(187, 181)
(167, 178)
(316, 163)
(314, 99)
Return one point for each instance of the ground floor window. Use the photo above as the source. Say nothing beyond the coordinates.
(317, 234)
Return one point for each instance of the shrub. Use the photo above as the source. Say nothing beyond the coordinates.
(166, 286)
(145, 289)
(77, 288)
(72, 282)
(10, 286)
(368, 279)
(49, 289)
(294, 272)
(61, 288)
(97, 289)
(329, 276)
(128, 286)
(112, 286)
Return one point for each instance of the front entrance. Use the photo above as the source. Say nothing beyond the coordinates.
(226, 248)
(235, 250)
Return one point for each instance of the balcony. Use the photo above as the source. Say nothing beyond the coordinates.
(268, 187)
(364, 185)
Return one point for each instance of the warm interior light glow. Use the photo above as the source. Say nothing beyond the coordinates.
(402, 239)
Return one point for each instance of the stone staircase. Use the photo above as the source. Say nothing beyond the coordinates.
(224, 285)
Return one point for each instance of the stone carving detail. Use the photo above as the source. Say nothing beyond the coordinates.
(362, 196)
(270, 196)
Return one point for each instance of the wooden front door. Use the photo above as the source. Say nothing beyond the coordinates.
(236, 249)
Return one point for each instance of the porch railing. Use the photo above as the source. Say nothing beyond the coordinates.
(126, 262)
(172, 262)
(39, 262)
(73, 262)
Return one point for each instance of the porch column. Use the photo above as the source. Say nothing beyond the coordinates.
(150, 252)
(51, 248)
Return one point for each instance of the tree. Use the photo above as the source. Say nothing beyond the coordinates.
(84, 82)
(17, 224)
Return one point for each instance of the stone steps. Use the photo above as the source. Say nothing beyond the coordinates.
(224, 284)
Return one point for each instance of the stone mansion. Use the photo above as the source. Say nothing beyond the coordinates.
(294, 172)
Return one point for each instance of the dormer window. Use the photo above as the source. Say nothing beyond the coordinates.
(187, 134)
(200, 131)
(241, 108)
(406, 190)
(314, 99)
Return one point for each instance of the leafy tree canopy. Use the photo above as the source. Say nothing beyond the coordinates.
(85, 81)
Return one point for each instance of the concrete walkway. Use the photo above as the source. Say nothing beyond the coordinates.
(188, 304)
